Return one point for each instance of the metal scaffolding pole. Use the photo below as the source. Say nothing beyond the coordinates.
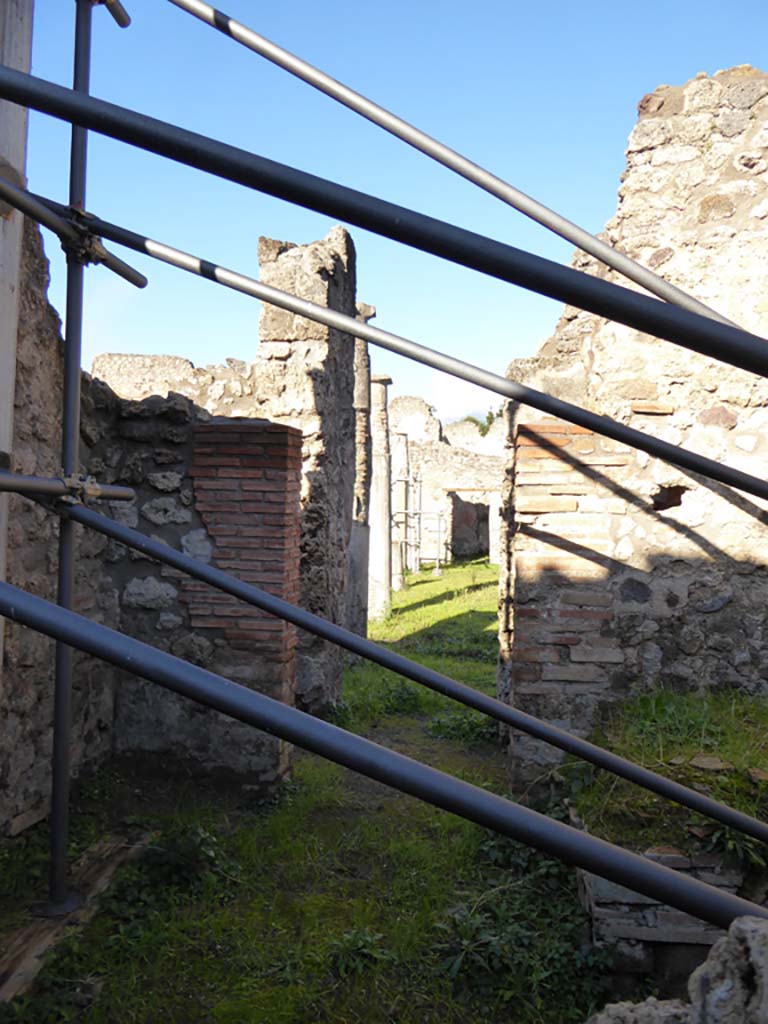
(350, 641)
(54, 487)
(61, 898)
(568, 844)
(73, 236)
(662, 319)
(444, 155)
(671, 453)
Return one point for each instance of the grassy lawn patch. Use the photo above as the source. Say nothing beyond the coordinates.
(716, 743)
(342, 901)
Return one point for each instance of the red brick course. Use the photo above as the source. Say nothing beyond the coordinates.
(247, 482)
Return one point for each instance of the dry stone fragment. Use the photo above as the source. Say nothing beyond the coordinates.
(124, 512)
(197, 545)
(149, 592)
(165, 481)
(168, 621)
(731, 122)
(161, 511)
(746, 92)
(193, 648)
(709, 763)
(731, 987)
(650, 1012)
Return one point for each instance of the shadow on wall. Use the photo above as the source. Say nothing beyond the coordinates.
(469, 528)
(615, 591)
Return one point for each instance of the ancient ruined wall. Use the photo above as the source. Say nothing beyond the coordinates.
(380, 518)
(671, 568)
(226, 492)
(454, 478)
(307, 378)
(26, 681)
(304, 376)
(360, 535)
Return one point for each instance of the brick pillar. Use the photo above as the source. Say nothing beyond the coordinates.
(247, 480)
(236, 507)
(567, 658)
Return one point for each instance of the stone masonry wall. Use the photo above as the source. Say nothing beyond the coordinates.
(225, 492)
(455, 473)
(26, 680)
(304, 376)
(663, 572)
(307, 378)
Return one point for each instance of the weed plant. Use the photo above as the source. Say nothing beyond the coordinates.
(716, 743)
(342, 901)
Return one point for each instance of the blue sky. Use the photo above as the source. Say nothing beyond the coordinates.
(542, 94)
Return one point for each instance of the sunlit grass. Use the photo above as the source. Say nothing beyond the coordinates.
(342, 901)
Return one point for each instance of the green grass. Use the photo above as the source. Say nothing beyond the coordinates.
(343, 901)
(667, 732)
(447, 623)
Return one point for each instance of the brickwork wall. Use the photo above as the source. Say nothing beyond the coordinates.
(668, 569)
(564, 648)
(247, 478)
(230, 497)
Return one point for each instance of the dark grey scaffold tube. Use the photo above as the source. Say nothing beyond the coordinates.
(424, 143)
(70, 236)
(418, 673)
(562, 841)
(55, 487)
(662, 319)
(671, 453)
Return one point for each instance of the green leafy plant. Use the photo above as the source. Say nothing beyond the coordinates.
(356, 951)
(520, 940)
(464, 725)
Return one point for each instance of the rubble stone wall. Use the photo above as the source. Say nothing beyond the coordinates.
(225, 493)
(26, 680)
(662, 574)
(222, 492)
(455, 477)
(303, 376)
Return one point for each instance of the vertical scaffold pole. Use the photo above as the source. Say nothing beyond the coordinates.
(62, 898)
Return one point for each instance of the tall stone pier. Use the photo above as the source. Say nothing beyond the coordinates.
(359, 541)
(15, 47)
(380, 563)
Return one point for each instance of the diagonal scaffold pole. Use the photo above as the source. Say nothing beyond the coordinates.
(466, 248)
(676, 456)
(446, 156)
(72, 236)
(496, 709)
(569, 844)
